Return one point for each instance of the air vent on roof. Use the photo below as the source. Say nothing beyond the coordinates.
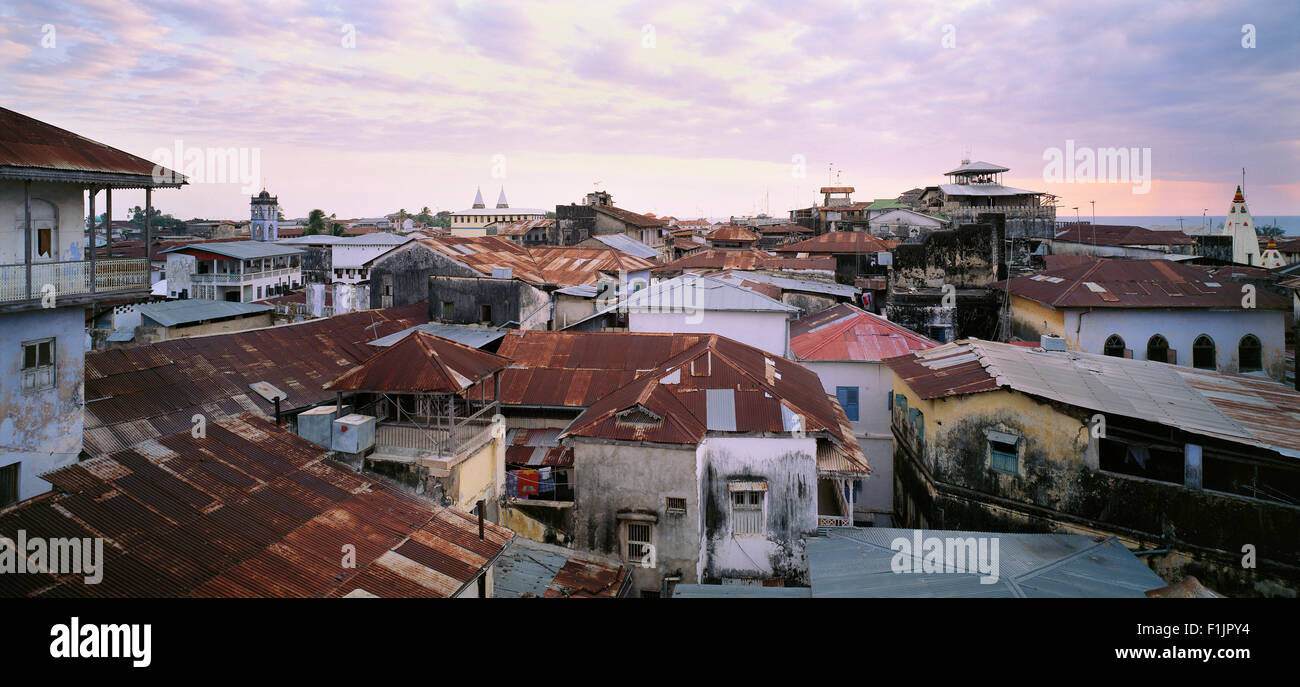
(1051, 343)
(502, 273)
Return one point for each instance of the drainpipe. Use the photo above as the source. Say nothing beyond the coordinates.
(277, 411)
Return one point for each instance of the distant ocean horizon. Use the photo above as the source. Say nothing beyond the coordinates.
(1290, 224)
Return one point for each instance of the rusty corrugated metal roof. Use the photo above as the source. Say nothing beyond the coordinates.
(1122, 283)
(138, 392)
(1120, 235)
(845, 332)
(747, 259)
(731, 232)
(837, 242)
(420, 363)
(251, 510)
(32, 144)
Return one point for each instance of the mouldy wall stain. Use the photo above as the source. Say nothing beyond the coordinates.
(409, 268)
(789, 468)
(1058, 473)
(41, 429)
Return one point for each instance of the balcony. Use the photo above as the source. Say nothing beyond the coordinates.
(72, 282)
(240, 278)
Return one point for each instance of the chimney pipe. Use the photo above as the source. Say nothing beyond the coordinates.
(277, 411)
(480, 520)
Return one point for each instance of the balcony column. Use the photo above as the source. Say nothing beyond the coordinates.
(108, 219)
(27, 233)
(92, 238)
(148, 232)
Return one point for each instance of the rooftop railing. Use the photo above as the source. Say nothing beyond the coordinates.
(72, 278)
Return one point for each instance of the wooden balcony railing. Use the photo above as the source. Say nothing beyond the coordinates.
(73, 278)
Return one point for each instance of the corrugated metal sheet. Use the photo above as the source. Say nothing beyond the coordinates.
(28, 142)
(857, 562)
(139, 392)
(252, 510)
(1118, 283)
(420, 363)
(239, 250)
(747, 260)
(1121, 235)
(475, 337)
(1239, 408)
(171, 313)
(845, 332)
(732, 232)
(627, 244)
(529, 569)
(837, 242)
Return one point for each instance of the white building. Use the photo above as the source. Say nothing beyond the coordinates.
(265, 211)
(693, 303)
(243, 271)
(845, 346)
(47, 283)
(475, 220)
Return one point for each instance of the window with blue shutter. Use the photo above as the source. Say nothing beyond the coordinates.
(848, 398)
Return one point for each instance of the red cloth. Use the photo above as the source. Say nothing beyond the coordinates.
(528, 482)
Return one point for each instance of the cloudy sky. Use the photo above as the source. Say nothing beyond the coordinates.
(682, 108)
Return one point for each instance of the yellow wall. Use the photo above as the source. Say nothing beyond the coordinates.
(476, 475)
(1040, 318)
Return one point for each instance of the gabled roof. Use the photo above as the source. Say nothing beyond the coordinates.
(985, 190)
(720, 386)
(749, 259)
(1121, 283)
(1239, 408)
(1121, 235)
(731, 232)
(702, 293)
(978, 167)
(140, 392)
(420, 363)
(888, 204)
(238, 250)
(627, 216)
(557, 265)
(32, 149)
(845, 332)
(469, 335)
(627, 244)
(752, 280)
(837, 242)
(530, 569)
(251, 510)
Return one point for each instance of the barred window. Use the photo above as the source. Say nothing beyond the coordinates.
(747, 512)
(638, 540)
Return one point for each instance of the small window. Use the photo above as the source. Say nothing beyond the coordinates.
(638, 540)
(9, 483)
(1250, 354)
(448, 310)
(485, 313)
(44, 241)
(1004, 455)
(38, 364)
(675, 505)
(747, 512)
(848, 398)
(1203, 354)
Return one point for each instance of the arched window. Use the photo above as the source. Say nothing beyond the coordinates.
(1158, 349)
(1114, 346)
(1250, 354)
(1203, 355)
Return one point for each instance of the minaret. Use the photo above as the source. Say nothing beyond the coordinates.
(1240, 226)
(478, 199)
(501, 199)
(265, 211)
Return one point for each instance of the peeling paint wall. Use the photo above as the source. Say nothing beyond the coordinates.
(789, 468)
(943, 479)
(41, 429)
(611, 479)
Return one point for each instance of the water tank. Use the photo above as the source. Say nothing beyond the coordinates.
(354, 433)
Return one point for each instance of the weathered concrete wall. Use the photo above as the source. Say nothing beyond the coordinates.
(150, 332)
(789, 467)
(510, 300)
(65, 202)
(317, 264)
(409, 268)
(41, 429)
(874, 382)
(809, 303)
(966, 257)
(611, 479)
(944, 480)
